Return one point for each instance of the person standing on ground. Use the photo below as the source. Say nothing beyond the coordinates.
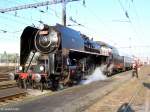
(135, 69)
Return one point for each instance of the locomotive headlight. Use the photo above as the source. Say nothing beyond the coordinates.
(20, 68)
(47, 41)
(41, 68)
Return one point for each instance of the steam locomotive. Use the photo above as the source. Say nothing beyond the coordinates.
(67, 56)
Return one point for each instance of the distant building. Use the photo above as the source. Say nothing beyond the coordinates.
(7, 58)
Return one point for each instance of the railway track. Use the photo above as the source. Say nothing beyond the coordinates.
(10, 92)
(4, 71)
(7, 84)
(4, 77)
(8, 89)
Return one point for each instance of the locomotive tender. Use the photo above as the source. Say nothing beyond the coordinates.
(69, 54)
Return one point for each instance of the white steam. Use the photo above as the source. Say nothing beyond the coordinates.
(95, 76)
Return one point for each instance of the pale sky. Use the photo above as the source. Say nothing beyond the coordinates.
(104, 20)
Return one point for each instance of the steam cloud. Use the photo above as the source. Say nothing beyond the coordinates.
(96, 75)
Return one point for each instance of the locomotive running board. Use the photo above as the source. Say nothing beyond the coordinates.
(87, 52)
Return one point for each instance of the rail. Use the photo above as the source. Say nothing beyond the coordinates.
(10, 93)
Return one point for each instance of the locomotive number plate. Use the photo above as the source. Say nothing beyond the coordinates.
(43, 32)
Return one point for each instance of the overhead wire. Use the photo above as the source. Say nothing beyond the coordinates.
(138, 18)
(140, 28)
(129, 18)
(21, 17)
(6, 18)
(6, 31)
(75, 23)
(136, 46)
(35, 0)
(17, 16)
(24, 18)
(15, 2)
(100, 21)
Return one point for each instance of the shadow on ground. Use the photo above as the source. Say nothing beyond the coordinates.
(125, 108)
(147, 85)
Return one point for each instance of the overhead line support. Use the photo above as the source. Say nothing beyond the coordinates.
(35, 5)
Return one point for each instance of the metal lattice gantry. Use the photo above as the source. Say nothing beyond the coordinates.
(35, 5)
